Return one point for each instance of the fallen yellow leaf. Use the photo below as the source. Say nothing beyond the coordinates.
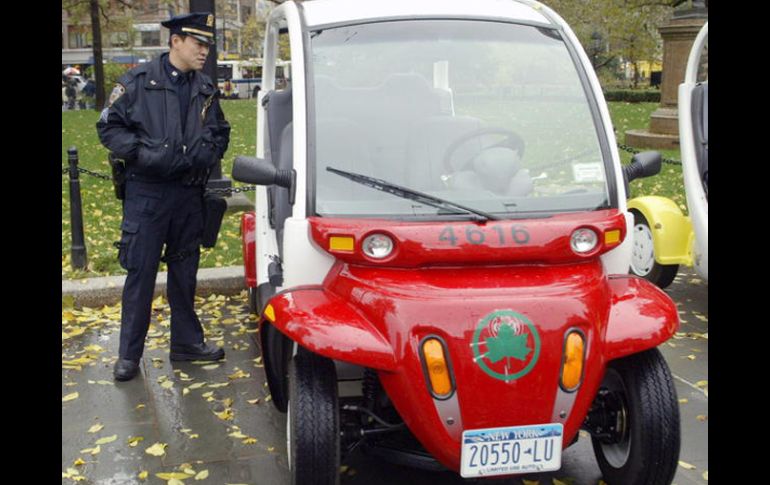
(249, 441)
(142, 475)
(701, 417)
(95, 428)
(226, 415)
(158, 449)
(706, 475)
(108, 439)
(686, 465)
(683, 400)
(210, 367)
(252, 401)
(133, 441)
(78, 462)
(202, 475)
(70, 397)
(238, 375)
(174, 481)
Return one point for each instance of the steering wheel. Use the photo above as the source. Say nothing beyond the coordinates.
(512, 140)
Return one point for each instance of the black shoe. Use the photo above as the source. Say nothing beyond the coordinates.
(201, 351)
(125, 369)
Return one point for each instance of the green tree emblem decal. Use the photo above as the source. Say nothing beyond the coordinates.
(506, 345)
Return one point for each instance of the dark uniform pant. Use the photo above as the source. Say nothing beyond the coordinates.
(155, 214)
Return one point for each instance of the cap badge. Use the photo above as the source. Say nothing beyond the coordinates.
(210, 21)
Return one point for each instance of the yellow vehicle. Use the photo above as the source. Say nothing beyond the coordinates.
(663, 236)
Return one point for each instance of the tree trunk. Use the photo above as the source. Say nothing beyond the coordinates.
(96, 34)
(636, 74)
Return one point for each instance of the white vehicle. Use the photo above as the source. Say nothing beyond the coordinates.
(693, 138)
(664, 238)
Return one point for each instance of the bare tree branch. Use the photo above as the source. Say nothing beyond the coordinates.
(104, 14)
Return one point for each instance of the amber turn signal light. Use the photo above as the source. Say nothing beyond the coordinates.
(436, 368)
(572, 363)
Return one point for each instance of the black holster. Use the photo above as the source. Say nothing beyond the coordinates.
(213, 212)
(118, 166)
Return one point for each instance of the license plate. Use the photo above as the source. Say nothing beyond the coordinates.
(505, 451)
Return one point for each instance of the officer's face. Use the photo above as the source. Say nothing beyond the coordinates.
(190, 52)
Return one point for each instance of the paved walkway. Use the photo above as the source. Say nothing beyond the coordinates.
(216, 421)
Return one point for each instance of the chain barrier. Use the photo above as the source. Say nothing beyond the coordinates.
(226, 192)
(633, 150)
(231, 190)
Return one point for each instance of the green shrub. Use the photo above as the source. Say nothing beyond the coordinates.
(112, 72)
(632, 96)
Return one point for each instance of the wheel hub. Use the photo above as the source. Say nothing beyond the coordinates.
(643, 255)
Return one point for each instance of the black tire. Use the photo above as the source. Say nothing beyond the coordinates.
(313, 420)
(643, 260)
(253, 301)
(276, 355)
(648, 452)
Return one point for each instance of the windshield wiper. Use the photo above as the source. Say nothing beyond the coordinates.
(410, 194)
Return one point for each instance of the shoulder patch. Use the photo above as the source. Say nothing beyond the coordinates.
(117, 92)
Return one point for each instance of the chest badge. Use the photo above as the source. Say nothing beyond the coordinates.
(506, 345)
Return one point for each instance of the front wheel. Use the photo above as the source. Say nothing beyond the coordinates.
(643, 258)
(312, 422)
(639, 437)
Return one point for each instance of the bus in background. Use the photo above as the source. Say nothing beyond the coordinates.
(243, 79)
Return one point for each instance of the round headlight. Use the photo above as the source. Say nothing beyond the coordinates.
(584, 241)
(378, 246)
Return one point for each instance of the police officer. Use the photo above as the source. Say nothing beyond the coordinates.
(165, 121)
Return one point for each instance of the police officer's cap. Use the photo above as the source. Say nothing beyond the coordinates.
(197, 24)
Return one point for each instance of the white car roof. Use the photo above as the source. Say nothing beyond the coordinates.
(325, 12)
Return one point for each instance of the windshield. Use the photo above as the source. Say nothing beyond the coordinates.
(489, 115)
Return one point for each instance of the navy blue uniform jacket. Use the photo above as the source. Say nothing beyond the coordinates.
(142, 125)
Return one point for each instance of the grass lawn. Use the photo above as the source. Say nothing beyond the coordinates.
(102, 212)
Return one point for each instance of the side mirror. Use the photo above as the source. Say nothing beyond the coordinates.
(644, 164)
(258, 171)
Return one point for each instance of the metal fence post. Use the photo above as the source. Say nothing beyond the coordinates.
(78, 250)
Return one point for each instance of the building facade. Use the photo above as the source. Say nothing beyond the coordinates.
(135, 35)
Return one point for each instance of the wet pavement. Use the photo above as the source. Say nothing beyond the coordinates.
(214, 424)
